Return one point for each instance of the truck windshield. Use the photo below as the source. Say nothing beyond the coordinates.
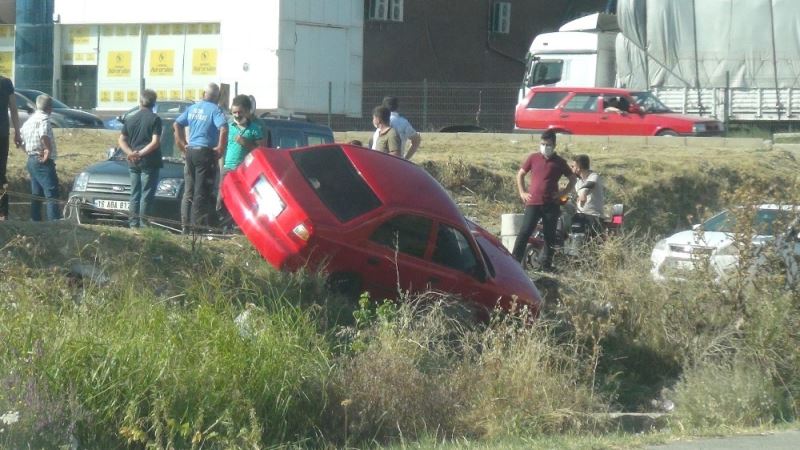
(649, 102)
(544, 71)
(336, 182)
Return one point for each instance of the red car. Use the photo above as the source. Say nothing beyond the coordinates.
(374, 222)
(606, 111)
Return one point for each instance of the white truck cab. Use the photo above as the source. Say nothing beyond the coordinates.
(579, 54)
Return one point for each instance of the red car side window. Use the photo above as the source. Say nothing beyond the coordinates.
(546, 100)
(453, 250)
(582, 103)
(406, 233)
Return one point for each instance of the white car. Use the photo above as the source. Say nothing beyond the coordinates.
(712, 243)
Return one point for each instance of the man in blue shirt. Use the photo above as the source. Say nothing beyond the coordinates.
(208, 134)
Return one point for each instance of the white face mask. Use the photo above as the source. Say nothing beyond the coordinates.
(546, 150)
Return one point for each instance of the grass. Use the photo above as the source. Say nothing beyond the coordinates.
(115, 338)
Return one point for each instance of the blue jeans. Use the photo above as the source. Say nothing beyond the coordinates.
(144, 181)
(44, 183)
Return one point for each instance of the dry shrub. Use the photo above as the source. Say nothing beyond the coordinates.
(423, 373)
(459, 176)
(399, 380)
(526, 383)
(738, 393)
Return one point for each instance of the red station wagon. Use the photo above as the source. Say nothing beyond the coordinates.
(372, 220)
(606, 111)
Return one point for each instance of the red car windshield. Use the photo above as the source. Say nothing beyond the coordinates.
(650, 103)
(336, 182)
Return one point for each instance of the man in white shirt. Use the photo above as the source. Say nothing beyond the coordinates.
(404, 128)
(40, 145)
(590, 196)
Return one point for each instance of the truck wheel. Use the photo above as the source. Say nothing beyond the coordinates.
(668, 133)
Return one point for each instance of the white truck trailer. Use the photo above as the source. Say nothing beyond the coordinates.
(735, 60)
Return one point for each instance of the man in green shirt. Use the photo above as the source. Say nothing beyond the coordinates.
(244, 134)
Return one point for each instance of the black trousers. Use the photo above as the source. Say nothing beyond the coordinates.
(200, 174)
(548, 214)
(3, 168)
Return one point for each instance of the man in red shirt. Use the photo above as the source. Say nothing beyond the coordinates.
(542, 197)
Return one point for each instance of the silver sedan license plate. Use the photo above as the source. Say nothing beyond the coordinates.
(116, 205)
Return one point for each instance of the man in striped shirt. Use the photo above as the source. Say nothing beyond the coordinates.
(39, 144)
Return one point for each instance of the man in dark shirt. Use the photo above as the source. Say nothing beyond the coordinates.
(141, 141)
(8, 102)
(208, 136)
(542, 198)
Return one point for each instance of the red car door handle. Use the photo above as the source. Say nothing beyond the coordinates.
(563, 115)
(603, 117)
(372, 261)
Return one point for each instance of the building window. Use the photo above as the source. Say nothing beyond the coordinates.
(501, 17)
(389, 10)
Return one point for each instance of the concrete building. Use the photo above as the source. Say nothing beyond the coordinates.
(287, 53)
(309, 56)
(464, 41)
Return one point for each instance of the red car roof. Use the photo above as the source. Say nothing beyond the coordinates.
(616, 91)
(403, 184)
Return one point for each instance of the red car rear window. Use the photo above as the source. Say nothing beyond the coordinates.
(336, 182)
(546, 100)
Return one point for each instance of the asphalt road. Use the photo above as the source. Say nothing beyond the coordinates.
(782, 440)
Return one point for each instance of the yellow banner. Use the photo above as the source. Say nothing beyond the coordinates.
(119, 64)
(204, 61)
(133, 96)
(174, 94)
(119, 96)
(79, 35)
(7, 63)
(105, 96)
(162, 63)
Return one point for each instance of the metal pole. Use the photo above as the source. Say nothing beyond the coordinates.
(696, 60)
(330, 101)
(778, 105)
(726, 108)
(425, 104)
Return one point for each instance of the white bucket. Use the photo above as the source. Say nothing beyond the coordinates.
(509, 229)
(508, 242)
